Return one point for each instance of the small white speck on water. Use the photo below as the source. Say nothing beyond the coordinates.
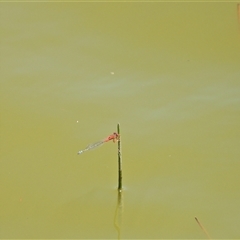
(112, 73)
(77, 121)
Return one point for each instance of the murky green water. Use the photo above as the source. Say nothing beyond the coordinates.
(168, 72)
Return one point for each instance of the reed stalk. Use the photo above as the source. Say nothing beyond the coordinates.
(202, 227)
(119, 160)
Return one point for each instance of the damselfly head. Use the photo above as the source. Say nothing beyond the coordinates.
(117, 136)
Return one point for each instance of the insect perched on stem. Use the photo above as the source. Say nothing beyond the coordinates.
(114, 137)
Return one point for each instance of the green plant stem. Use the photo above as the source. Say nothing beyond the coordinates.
(119, 160)
(202, 227)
